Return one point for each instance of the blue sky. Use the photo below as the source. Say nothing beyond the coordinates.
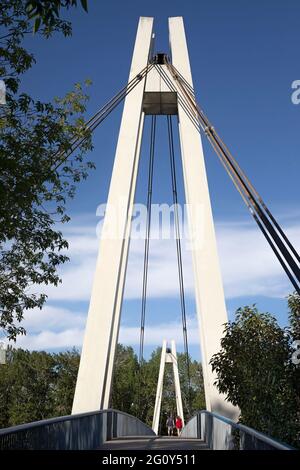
(244, 58)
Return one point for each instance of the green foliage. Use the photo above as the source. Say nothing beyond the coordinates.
(255, 371)
(66, 369)
(35, 181)
(40, 385)
(36, 385)
(46, 12)
(294, 315)
(125, 387)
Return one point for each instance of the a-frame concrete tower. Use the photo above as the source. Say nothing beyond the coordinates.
(167, 356)
(152, 96)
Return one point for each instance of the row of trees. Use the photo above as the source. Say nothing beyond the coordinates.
(39, 385)
(257, 369)
(36, 385)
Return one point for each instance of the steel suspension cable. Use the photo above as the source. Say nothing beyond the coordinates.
(147, 238)
(242, 173)
(269, 232)
(179, 252)
(185, 106)
(192, 110)
(256, 218)
(211, 129)
(61, 156)
(189, 112)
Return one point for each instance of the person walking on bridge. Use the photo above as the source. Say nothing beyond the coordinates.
(170, 425)
(178, 425)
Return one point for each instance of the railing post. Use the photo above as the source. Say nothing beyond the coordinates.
(109, 425)
(115, 425)
(199, 427)
(209, 430)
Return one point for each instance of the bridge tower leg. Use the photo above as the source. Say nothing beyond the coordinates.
(98, 352)
(179, 406)
(209, 294)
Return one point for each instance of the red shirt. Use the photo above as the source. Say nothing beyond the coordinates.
(178, 423)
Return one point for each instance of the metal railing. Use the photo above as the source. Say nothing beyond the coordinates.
(75, 432)
(221, 433)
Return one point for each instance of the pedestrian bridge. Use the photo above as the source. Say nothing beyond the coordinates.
(114, 430)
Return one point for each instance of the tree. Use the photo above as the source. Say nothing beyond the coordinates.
(36, 179)
(25, 387)
(193, 396)
(40, 385)
(36, 385)
(294, 315)
(66, 369)
(294, 318)
(125, 383)
(254, 370)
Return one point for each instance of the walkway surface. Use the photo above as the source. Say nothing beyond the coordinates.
(155, 443)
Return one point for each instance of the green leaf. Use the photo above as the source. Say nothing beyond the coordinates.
(30, 9)
(84, 5)
(36, 25)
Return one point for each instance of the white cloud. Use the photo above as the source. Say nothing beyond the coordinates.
(51, 328)
(53, 318)
(51, 340)
(53, 331)
(249, 266)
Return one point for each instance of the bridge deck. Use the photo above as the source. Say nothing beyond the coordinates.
(155, 443)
